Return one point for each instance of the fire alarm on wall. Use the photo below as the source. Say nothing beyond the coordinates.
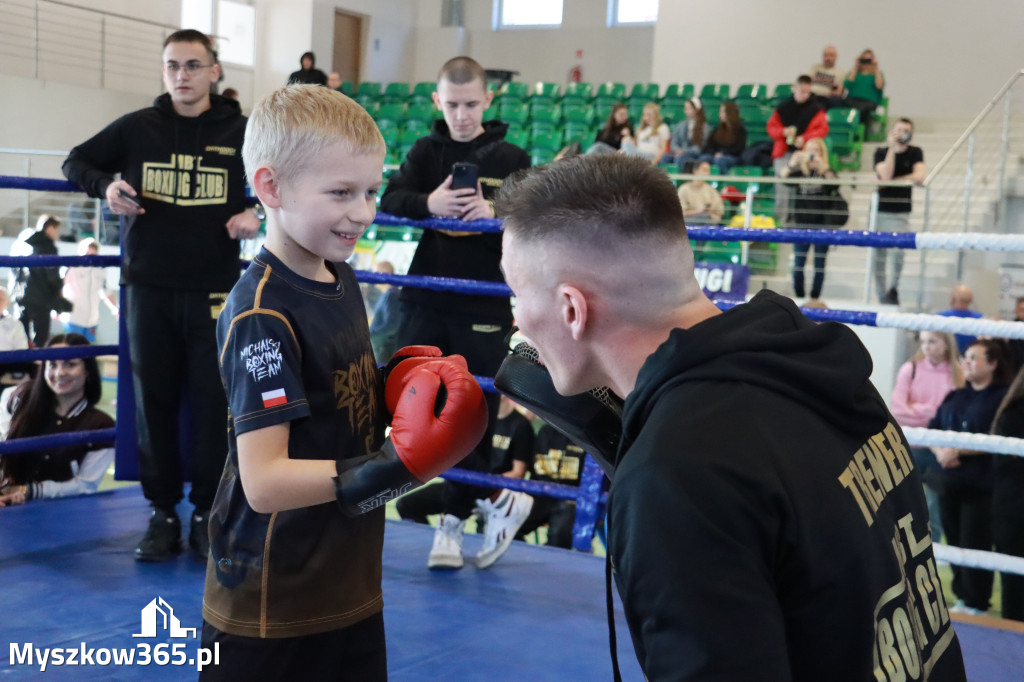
(579, 54)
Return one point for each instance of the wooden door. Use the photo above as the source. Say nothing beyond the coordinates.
(348, 45)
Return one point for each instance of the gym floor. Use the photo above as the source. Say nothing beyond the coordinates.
(67, 579)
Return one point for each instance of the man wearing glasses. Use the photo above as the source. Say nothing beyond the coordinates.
(182, 194)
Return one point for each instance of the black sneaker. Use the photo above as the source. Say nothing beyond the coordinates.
(162, 539)
(199, 534)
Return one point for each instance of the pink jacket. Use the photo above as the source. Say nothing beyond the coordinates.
(915, 400)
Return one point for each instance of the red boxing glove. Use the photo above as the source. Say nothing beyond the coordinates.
(438, 413)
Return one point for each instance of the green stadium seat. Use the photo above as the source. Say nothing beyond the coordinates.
(578, 132)
(879, 124)
(411, 133)
(636, 111)
(490, 113)
(751, 92)
(391, 133)
(546, 139)
(390, 112)
(676, 94)
(578, 113)
(644, 92)
(718, 91)
(347, 88)
(578, 92)
(422, 92)
(518, 136)
(545, 112)
(395, 93)
(369, 88)
(746, 171)
(513, 111)
(672, 114)
(781, 92)
(611, 92)
(541, 155)
(515, 90)
(845, 138)
(421, 111)
(601, 111)
(546, 93)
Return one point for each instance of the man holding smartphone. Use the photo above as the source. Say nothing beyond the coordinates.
(437, 179)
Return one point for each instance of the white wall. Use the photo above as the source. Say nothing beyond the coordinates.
(940, 57)
(615, 54)
(389, 36)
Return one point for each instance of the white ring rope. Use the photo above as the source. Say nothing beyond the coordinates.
(956, 241)
(954, 325)
(978, 558)
(981, 442)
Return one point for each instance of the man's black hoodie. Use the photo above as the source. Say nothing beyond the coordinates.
(466, 256)
(190, 179)
(43, 285)
(765, 520)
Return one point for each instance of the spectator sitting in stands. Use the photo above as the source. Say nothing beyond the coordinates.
(689, 135)
(334, 80)
(827, 79)
(960, 300)
(798, 118)
(652, 139)
(230, 93)
(609, 138)
(864, 86)
(86, 289)
(922, 383)
(701, 202)
(727, 141)
(308, 73)
(62, 398)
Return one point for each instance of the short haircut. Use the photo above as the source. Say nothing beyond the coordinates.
(46, 221)
(579, 199)
(804, 78)
(295, 122)
(461, 70)
(190, 35)
(904, 119)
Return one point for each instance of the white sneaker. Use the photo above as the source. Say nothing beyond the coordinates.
(446, 554)
(505, 516)
(960, 607)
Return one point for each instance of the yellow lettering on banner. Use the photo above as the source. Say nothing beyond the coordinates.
(848, 482)
(184, 161)
(937, 583)
(907, 645)
(184, 184)
(896, 443)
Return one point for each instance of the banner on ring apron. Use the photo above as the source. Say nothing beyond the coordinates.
(723, 281)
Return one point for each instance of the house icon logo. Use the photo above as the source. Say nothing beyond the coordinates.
(158, 614)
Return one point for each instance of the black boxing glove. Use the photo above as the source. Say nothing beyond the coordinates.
(592, 420)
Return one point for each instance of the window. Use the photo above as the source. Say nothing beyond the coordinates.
(527, 13)
(197, 14)
(236, 32)
(632, 12)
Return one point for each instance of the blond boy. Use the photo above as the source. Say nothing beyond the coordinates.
(294, 576)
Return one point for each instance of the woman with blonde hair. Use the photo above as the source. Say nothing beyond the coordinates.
(922, 383)
(652, 138)
(812, 209)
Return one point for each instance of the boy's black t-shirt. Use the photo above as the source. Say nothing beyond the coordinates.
(897, 199)
(474, 256)
(297, 352)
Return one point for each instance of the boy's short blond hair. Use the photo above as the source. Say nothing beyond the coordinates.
(292, 124)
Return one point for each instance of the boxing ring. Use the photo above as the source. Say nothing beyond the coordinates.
(67, 578)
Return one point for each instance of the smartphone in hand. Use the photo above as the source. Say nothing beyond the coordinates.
(128, 197)
(465, 175)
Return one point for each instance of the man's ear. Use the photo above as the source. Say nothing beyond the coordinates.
(267, 187)
(573, 307)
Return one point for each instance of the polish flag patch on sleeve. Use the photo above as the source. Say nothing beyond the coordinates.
(275, 397)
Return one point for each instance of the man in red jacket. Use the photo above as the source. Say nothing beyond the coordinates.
(798, 118)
